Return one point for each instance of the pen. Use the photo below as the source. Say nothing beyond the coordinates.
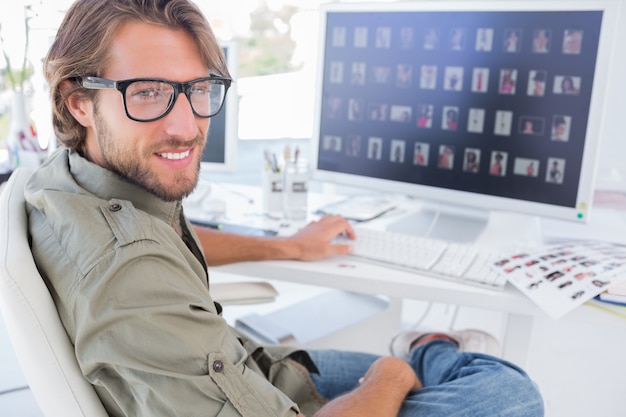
(275, 167)
(269, 164)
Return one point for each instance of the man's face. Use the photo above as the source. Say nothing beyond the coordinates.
(162, 156)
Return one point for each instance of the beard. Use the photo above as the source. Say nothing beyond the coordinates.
(136, 169)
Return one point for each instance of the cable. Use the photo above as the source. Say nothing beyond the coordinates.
(423, 317)
(454, 317)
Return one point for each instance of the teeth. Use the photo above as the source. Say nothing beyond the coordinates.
(171, 155)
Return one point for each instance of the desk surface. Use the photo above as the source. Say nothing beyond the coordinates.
(347, 273)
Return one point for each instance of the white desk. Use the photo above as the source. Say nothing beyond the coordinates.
(349, 274)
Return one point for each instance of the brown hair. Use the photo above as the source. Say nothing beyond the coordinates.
(83, 41)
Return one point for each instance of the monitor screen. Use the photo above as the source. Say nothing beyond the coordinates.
(221, 147)
(492, 105)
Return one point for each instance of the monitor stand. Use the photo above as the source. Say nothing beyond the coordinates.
(443, 221)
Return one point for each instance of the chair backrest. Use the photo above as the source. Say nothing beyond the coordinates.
(44, 350)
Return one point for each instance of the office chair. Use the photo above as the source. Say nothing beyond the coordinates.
(43, 349)
(41, 344)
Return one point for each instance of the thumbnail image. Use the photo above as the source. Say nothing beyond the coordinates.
(424, 115)
(508, 81)
(383, 37)
(512, 40)
(355, 109)
(471, 160)
(428, 77)
(561, 128)
(404, 74)
(556, 169)
(503, 123)
(480, 80)
(457, 39)
(360, 37)
(406, 37)
(526, 167)
(358, 73)
(431, 39)
(484, 39)
(397, 151)
(498, 163)
(572, 41)
(445, 159)
(378, 112)
(536, 83)
(564, 84)
(476, 120)
(336, 72)
(450, 119)
(375, 148)
(331, 143)
(354, 145)
(453, 79)
(531, 125)
(339, 36)
(401, 114)
(420, 156)
(541, 41)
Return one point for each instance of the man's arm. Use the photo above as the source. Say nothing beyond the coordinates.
(384, 387)
(313, 242)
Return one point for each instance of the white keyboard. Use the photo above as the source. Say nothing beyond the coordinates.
(431, 257)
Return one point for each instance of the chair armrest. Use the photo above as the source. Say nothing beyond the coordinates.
(245, 292)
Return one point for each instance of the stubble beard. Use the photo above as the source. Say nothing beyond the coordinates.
(136, 170)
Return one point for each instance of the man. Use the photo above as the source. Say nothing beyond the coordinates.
(134, 83)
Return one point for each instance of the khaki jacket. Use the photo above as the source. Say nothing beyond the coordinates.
(134, 299)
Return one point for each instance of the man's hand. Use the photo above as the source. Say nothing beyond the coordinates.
(315, 240)
(380, 393)
(396, 371)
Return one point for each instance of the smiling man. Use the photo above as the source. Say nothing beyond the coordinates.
(162, 157)
(134, 84)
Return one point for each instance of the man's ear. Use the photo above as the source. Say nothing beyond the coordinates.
(79, 106)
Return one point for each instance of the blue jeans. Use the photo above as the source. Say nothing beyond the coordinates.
(455, 383)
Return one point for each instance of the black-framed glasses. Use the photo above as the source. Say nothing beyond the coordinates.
(149, 99)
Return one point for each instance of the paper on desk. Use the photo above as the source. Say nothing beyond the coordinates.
(559, 278)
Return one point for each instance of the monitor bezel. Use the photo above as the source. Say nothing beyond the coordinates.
(582, 210)
(231, 119)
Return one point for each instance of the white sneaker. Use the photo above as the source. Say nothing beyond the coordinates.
(466, 340)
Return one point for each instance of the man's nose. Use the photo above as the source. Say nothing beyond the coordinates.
(181, 122)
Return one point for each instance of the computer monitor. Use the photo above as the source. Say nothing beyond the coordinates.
(220, 152)
(472, 105)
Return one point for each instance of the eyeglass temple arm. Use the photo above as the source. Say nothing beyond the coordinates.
(98, 83)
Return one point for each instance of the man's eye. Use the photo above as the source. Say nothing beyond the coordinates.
(147, 93)
(200, 90)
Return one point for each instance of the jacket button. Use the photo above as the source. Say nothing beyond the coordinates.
(218, 366)
(115, 207)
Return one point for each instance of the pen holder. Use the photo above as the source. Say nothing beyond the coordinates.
(272, 184)
(295, 189)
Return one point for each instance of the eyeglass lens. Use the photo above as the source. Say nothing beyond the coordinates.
(147, 100)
